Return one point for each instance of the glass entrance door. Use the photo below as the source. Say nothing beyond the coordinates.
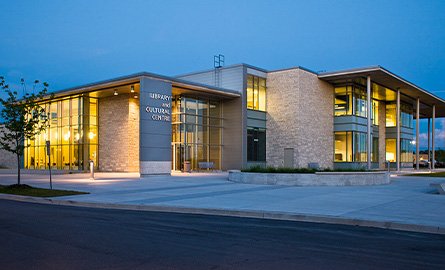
(177, 156)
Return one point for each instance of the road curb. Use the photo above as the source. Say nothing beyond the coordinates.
(274, 215)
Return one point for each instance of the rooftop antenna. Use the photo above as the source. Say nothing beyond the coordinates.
(218, 60)
(218, 63)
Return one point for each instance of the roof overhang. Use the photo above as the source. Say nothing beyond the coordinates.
(106, 87)
(382, 76)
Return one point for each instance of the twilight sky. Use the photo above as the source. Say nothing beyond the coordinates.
(69, 43)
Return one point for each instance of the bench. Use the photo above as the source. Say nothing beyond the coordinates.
(206, 165)
(439, 186)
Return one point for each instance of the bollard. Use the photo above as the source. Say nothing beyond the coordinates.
(388, 164)
(91, 170)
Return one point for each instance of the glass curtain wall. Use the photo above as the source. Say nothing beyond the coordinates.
(196, 133)
(69, 121)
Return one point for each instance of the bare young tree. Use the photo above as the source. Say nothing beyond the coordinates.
(23, 119)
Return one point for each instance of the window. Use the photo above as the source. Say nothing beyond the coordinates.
(375, 112)
(391, 115)
(406, 115)
(350, 100)
(406, 150)
(351, 146)
(343, 99)
(256, 144)
(343, 146)
(360, 102)
(256, 93)
(68, 124)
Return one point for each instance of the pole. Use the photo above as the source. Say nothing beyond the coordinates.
(368, 95)
(433, 165)
(398, 131)
(417, 132)
(48, 152)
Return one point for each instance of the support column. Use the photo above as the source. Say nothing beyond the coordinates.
(398, 131)
(368, 95)
(433, 156)
(429, 143)
(417, 133)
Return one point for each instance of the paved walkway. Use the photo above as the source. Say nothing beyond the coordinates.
(407, 200)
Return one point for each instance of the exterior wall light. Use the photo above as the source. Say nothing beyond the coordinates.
(132, 89)
(115, 92)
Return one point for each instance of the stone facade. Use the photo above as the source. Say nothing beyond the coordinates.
(300, 116)
(7, 159)
(119, 134)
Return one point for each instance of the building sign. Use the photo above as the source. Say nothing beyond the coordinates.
(162, 111)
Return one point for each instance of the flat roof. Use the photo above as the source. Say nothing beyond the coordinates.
(135, 78)
(392, 81)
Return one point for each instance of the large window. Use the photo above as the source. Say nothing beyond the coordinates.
(406, 150)
(256, 144)
(73, 135)
(256, 93)
(350, 100)
(196, 132)
(343, 100)
(406, 115)
(391, 115)
(351, 146)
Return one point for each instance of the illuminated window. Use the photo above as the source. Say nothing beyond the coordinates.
(343, 146)
(343, 100)
(375, 112)
(391, 115)
(350, 147)
(350, 100)
(391, 150)
(256, 93)
(68, 123)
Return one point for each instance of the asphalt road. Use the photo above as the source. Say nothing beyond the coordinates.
(37, 236)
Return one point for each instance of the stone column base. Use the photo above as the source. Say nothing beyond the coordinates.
(155, 167)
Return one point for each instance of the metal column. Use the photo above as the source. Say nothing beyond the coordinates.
(433, 165)
(368, 95)
(417, 133)
(398, 131)
(429, 142)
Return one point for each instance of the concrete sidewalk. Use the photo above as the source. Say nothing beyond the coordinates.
(406, 201)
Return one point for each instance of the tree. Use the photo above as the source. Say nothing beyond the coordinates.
(23, 119)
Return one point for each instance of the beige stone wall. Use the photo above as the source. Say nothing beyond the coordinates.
(300, 116)
(382, 135)
(7, 159)
(119, 134)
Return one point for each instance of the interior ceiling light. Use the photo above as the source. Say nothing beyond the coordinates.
(115, 92)
(132, 89)
(135, 95)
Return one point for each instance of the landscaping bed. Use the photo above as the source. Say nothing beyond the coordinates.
(434, 174)
(27, 190)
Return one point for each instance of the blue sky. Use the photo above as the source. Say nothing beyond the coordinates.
(68, 43)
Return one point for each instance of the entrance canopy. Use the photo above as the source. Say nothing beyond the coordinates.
(409, 91)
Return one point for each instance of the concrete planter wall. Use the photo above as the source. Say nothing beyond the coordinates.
(311, 179)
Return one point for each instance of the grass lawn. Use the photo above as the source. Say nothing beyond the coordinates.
(37, 192)
(436, 174)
